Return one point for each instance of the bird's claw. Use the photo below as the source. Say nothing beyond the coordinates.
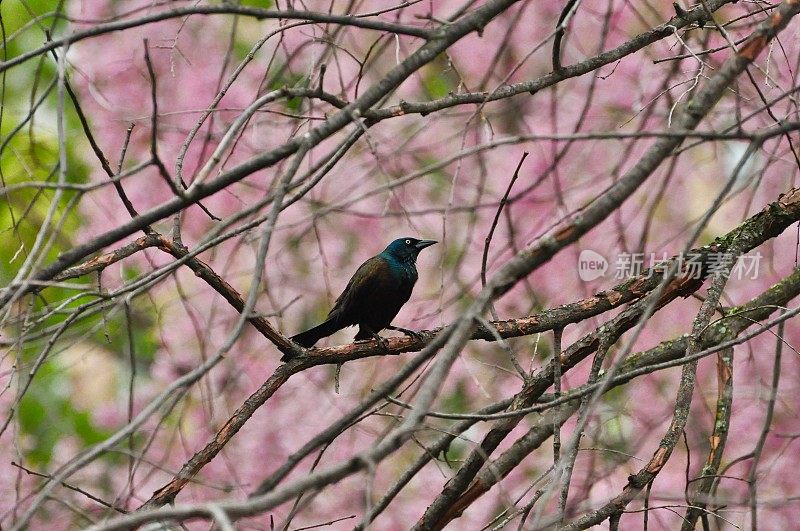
(382, 342)
(410, 333)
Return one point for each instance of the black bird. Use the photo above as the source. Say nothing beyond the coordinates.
(372, 298)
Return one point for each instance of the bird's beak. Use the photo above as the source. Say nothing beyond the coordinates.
(424, 243)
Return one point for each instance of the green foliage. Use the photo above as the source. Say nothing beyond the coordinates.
(241, 48)
(263, 4)
(29, 150)
(439, 78)
(438, 182)
(615, 433)
(455, 453)
(291, 80)
(436, 86)
(46, 416)
(29, 154)
(456, 402)
(114, 334)
(47, 412)
(451, 257)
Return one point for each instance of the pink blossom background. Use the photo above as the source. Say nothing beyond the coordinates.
(355, 211)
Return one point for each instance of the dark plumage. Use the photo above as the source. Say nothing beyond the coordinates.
(372, 298)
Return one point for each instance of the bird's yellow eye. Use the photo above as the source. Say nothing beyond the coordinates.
(408, 242)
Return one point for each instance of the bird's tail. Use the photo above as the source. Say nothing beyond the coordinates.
(312, 335)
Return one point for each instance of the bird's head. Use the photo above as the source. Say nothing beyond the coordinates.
(407, 248)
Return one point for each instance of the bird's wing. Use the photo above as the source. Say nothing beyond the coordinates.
(371, 279)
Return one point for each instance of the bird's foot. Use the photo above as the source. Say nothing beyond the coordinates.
(382, 342)
(366, 334)
(406, 331)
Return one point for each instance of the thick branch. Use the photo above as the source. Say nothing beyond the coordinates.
(756, 230)
(741, 318)
(744, 236)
